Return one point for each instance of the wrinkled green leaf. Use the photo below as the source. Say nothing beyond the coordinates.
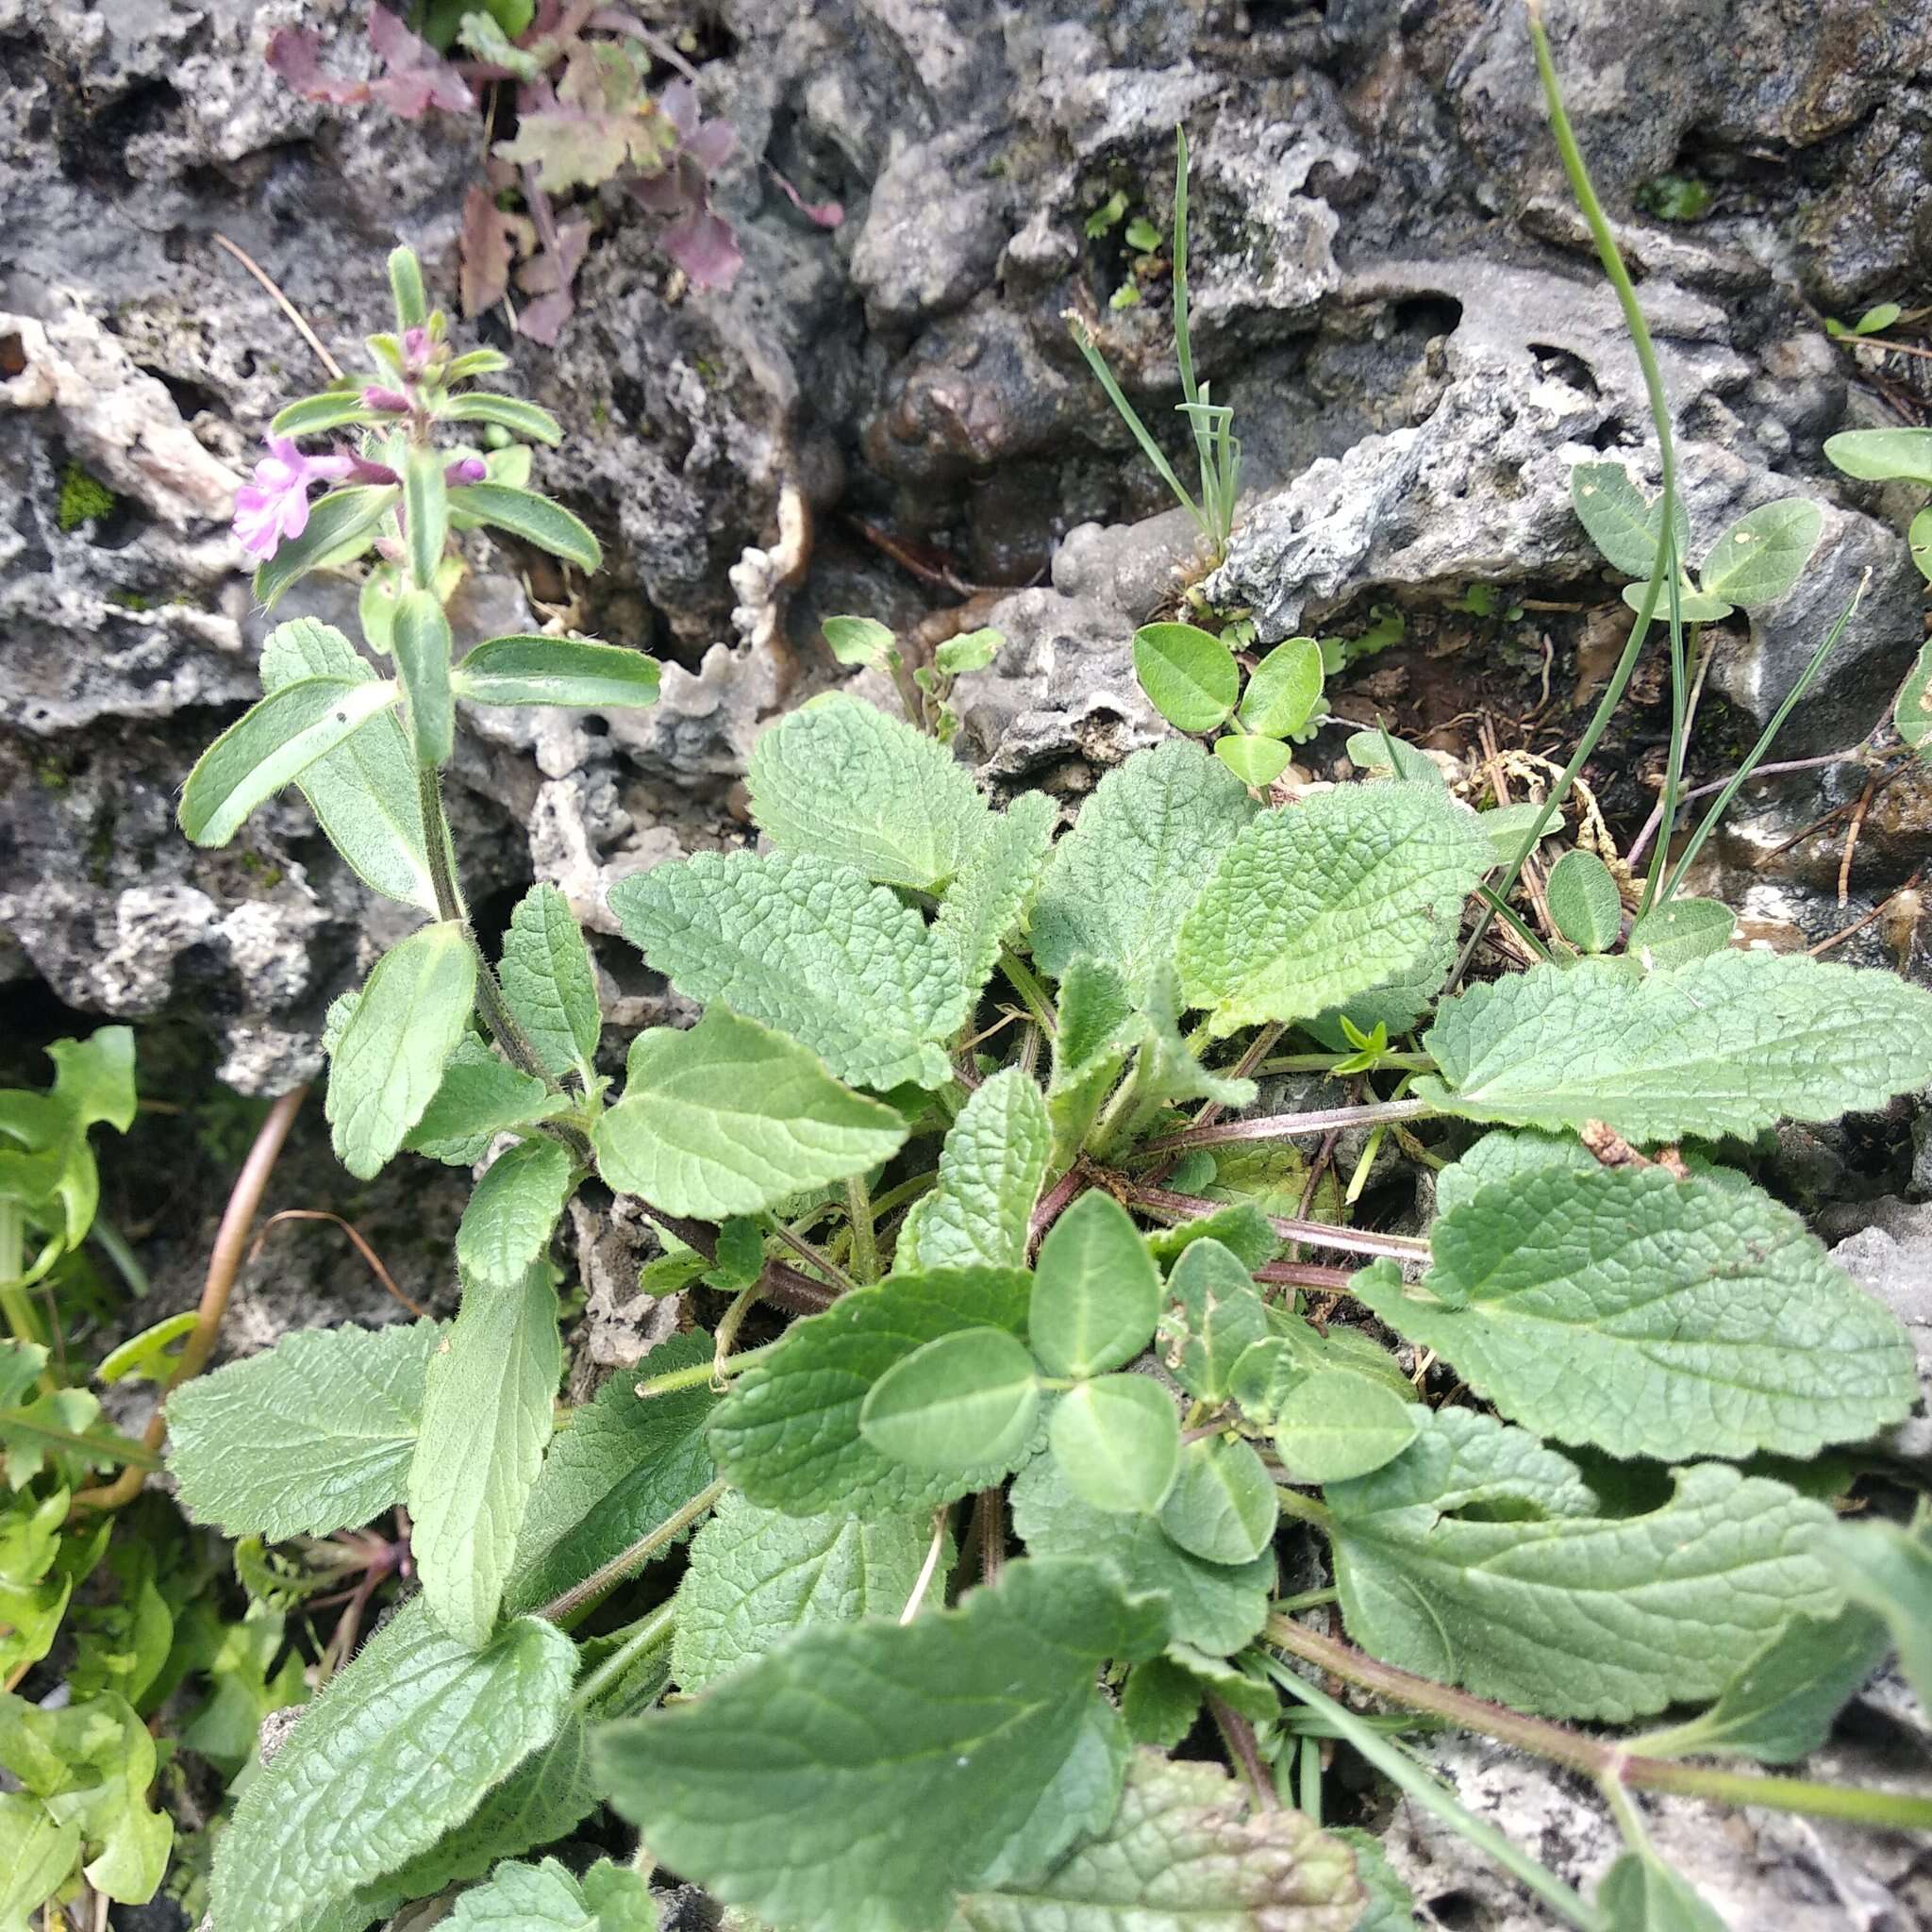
(991, 892)
(960, 1401)
(1888, 1571)
(990, 1169)
(479, 1096)
(550, 982)
(1214, 1316)
(507, 1225)
(546, 1898)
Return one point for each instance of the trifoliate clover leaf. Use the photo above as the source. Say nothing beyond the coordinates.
(1478, 1533)
(1332, 1425)
(1325, 899)
(839, 779)
(1622, 523)
(732, 1118)
(1189, 674)
(1726, 1044)
(990, 1169)
(808, 946)
(1213, 1316)
(1650, 1316)
(1138, 856)
(884, 1802)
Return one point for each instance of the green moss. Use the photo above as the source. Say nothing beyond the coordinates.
(130, 600)
(82, 498)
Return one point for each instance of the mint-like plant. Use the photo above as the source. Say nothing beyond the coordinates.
(997, 1513)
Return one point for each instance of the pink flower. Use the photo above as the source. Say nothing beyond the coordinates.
(465, 470)
(274, 506)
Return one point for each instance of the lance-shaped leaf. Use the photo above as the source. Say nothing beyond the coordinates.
(1726, 1044)
(962, 1401)
(487, 1413)
(313, 1436)
(401, 1747)
(507, 1225)
(1183, 1852)
(1478, 1533)
(826, 1786)
(550, 982)
(272, 744)
(1325, 899)
(556, 671)
(1097, 1030)
(1764, 553)
(526, 420)
(1096, 1291)
(993, 889)
(731, 1118)
(364, 792)
(756, 1576)
(333, 409)
(839, 779)
(1651, 1316)
(788, 1434)
(619, 1468)
(1143, 847)
(388, 1064)
(533, 518)
(420, 640)
(425, 514)
(479, 1096)
(990, 1169)
(341, 528)
(808, 946)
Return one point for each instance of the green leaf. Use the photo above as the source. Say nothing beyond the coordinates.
(808, 946)
(1144, 845)
(840, 779)
(795, 1834)
(1584, 905)
(1880, 315)
(1478, 1533)
(618, 1469)
(990, 1169)
(1080, 1801)
(858, 640)
(425, 518)
(364, 792)
(1680, 930)
(1117, 1442)
(487, 1413)
(731, 1118)
(1918, 541)
(1216, 1607)
(341, 525)
(1333, 1425)
(313, 1436)
(1508, 826)
(1883, 455)
(37, 1855)
(1622, 523)
(1222, 1507)
(546, 1898)
(1190, 676)
(758, 1576)
(533, 518)
(420, 640)
(1378, 752)
(1641, 1893)
(479, 1096)
(551, 984)
(1257, 761)
(1182, 1852)
(991, 892)
(388, 1062)
(1651, 1316)
(270, 745)
(401, 1747)
(1693, 605)
(1391, 1904)
(1764, 553)
(789, 1434)
(1096, 1030)
(1726, 1045)
(506, 1226)
(520, 418)
(971, 650)
(1912, 714)
(1096, 1291)
(962, 1401)
(1326, 898)
(1888, 1571)
(333, 409)
(1284, 690)
(1214, 1317)
(556, 671)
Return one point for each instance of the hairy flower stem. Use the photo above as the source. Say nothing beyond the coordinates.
(1285, 1127)
(652, 1634)
(1889, 1810)
(1173, 1208)
(865, 1251)
(1025, 982)
(614, 1573)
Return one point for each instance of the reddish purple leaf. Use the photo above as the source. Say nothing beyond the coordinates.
(487, 251)
(702, 246)
(295, 54)
(419, 77)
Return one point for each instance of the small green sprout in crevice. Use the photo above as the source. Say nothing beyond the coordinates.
(84, 499)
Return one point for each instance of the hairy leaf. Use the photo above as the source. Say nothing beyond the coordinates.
(521, 419)
(731, 1118)
(1682, 930)
(341, 525)
(1213, 1318)
(1652, 1316)
(486, 1417)
(1888, 1570)
(401, 1747)
(1622, 523)
(758, 1576)
(313, 1436)
(547, 1898)
(1097, 1029)
(1324, 899)
(1726, 1044)
(1285, 688)
(993, 889)
(535, 519)
(788, 1434)
(826, 1785)
(1764, 553)
(1477, 1535)
(839, 779)
(556, 671)
(479, 1096)
(1096, 1291)
(1190, 676)
(1222, 1507)
(1640, 1893)
(808, 946)
(550, 982)
(1584, 905)
(507, 1225)
(1333, 1425)
(990, 1169)
(1182, 1855)
(1143, 847)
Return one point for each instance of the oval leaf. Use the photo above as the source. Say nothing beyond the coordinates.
(1222, 1507)
(1284, 690)
(1693, 606)
(1883, 455)
(1334, 1426)
(962, 1401)
(556, 671)
(506, 412)
(1096, 1291)
(1764, 553)
(1190, 678)
(1912, 714)
(1117, 1442)
(1257, 761)
(1584, 905)
(1681, 930)
(533, 518)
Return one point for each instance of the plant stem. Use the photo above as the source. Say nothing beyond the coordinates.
(1327, 1062)
(1285, 1127)
(1889, 1810)
(609, 1574)
(785, 1287)
(1304, 1508)
(1025, 982)
(1304, 1275)
(1238, 1734)
(1173, 1208)
(812, 1257)
(653, 1630)
(703, 1374)
(14, 1299)
(865, 1253)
